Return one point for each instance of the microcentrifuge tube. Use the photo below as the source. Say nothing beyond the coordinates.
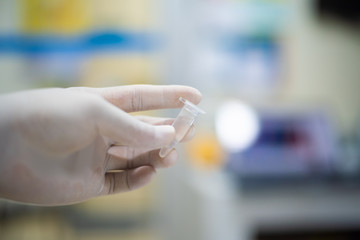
(182, 124)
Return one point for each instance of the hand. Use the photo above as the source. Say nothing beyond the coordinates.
(61, 146)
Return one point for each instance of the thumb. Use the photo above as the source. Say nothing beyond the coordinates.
(127, 130)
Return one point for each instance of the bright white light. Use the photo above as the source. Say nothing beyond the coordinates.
(237, 125)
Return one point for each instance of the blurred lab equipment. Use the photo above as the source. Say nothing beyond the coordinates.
(290, 146)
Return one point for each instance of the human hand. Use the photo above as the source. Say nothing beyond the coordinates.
(62, 146)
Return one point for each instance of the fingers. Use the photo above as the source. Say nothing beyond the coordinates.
(117, 182)
(122, 158)
(125, 129)
(148, 97)
(137, 172)
(167, 121)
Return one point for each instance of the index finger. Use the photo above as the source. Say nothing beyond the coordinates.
(134, 98)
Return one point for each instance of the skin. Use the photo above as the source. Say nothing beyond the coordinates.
(63, 146)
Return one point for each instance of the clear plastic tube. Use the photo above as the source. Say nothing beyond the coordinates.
(182, 124)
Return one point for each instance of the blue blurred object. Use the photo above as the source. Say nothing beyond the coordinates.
(43, 44)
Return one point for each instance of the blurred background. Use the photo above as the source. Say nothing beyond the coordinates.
(277, 156)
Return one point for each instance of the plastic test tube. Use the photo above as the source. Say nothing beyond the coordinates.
(182, 124)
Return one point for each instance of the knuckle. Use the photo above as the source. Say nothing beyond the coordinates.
(127, 180)
(112, 180)
(136, 99)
